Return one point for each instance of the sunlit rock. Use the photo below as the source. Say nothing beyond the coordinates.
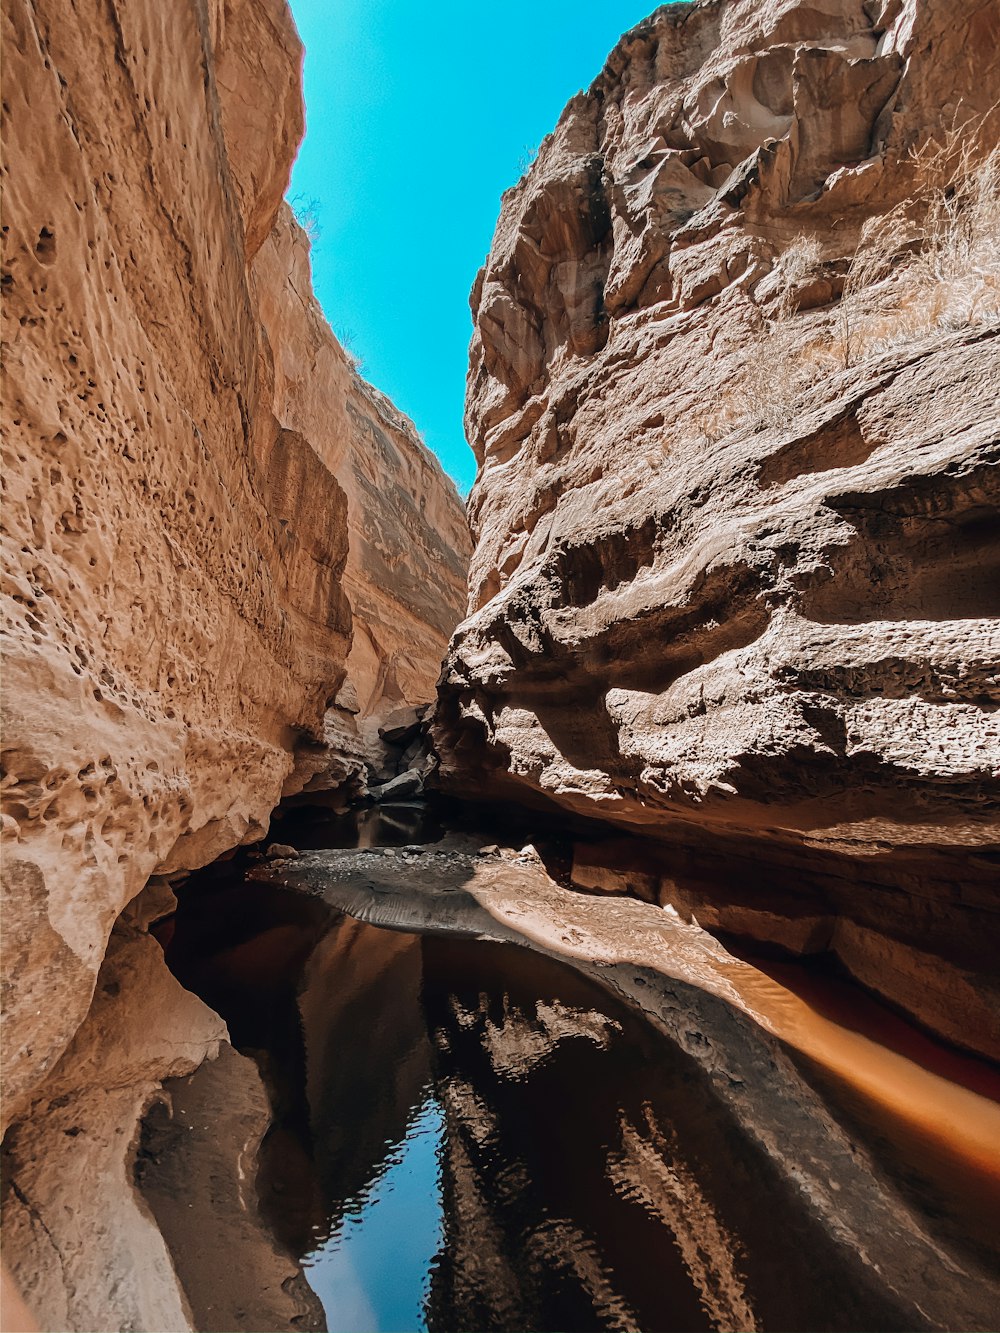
(734, 392)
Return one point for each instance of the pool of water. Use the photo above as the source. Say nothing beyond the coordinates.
(473, 1136)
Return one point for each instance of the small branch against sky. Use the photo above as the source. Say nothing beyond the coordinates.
(307, 210)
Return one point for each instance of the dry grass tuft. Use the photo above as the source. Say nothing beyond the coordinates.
(932, 263)
(940, 270)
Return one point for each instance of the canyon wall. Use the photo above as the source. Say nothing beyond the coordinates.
(734, 392)
(225, 557)
(409, 543)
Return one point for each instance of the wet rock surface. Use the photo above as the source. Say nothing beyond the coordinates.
(80, 1245)
(196, 1170)
(735, 575)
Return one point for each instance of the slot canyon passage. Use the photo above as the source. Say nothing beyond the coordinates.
(573, 909)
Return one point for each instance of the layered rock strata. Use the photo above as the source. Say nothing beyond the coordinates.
(734, 391)
(408, 537)
(225, 556)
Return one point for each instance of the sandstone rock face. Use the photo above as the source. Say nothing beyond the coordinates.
(409, 542)
(81, 1246)
(213, 530)
(199, 487)
(736, 574)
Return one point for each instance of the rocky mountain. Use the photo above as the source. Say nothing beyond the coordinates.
(734, 391)
(226, 559)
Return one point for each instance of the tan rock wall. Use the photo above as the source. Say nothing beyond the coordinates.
(735, 582)
(409, 539)
(145, 566)
(176, 535)
(204, 508)
(80, 1244)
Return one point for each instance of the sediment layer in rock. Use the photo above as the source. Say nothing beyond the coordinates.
(735, 582)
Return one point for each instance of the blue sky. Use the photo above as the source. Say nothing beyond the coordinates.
(419, 114)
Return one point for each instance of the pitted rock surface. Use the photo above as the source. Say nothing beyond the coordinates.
(226, 558)
(212, 525)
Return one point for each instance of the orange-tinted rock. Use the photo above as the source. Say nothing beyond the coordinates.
(200, 490)
(409, 541)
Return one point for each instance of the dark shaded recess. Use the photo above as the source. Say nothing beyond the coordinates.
(648, 650)
(940, 900)
(242, 951)
(838, 444)
(929, 550)
(589, 568)
(661, 645)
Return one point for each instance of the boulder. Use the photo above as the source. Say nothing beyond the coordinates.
(399, 788)
(281, 850)
(400, 727)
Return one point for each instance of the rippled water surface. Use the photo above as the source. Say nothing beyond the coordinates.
(472, 1136)
(475, 1136)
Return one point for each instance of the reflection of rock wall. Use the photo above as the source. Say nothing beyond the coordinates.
(707, 604)
(183, 545)
(884, 1175)
(196, 1172)
(296, 984)
(367, 1059)
(597, 1183)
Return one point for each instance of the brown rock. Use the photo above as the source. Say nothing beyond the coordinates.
(81, 1247)
(736, 513)
(207, 1130)
(282, 851)
(407, 784)
(188, 526)
(400, 727)
(409, 542)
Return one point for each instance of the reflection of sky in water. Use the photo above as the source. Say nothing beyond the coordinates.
(373, 1273)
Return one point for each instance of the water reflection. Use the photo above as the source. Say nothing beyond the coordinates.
(473, 1136)
(397, 1221)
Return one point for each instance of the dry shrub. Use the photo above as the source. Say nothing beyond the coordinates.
(779, 365)
(932, 266)
(931, 263)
